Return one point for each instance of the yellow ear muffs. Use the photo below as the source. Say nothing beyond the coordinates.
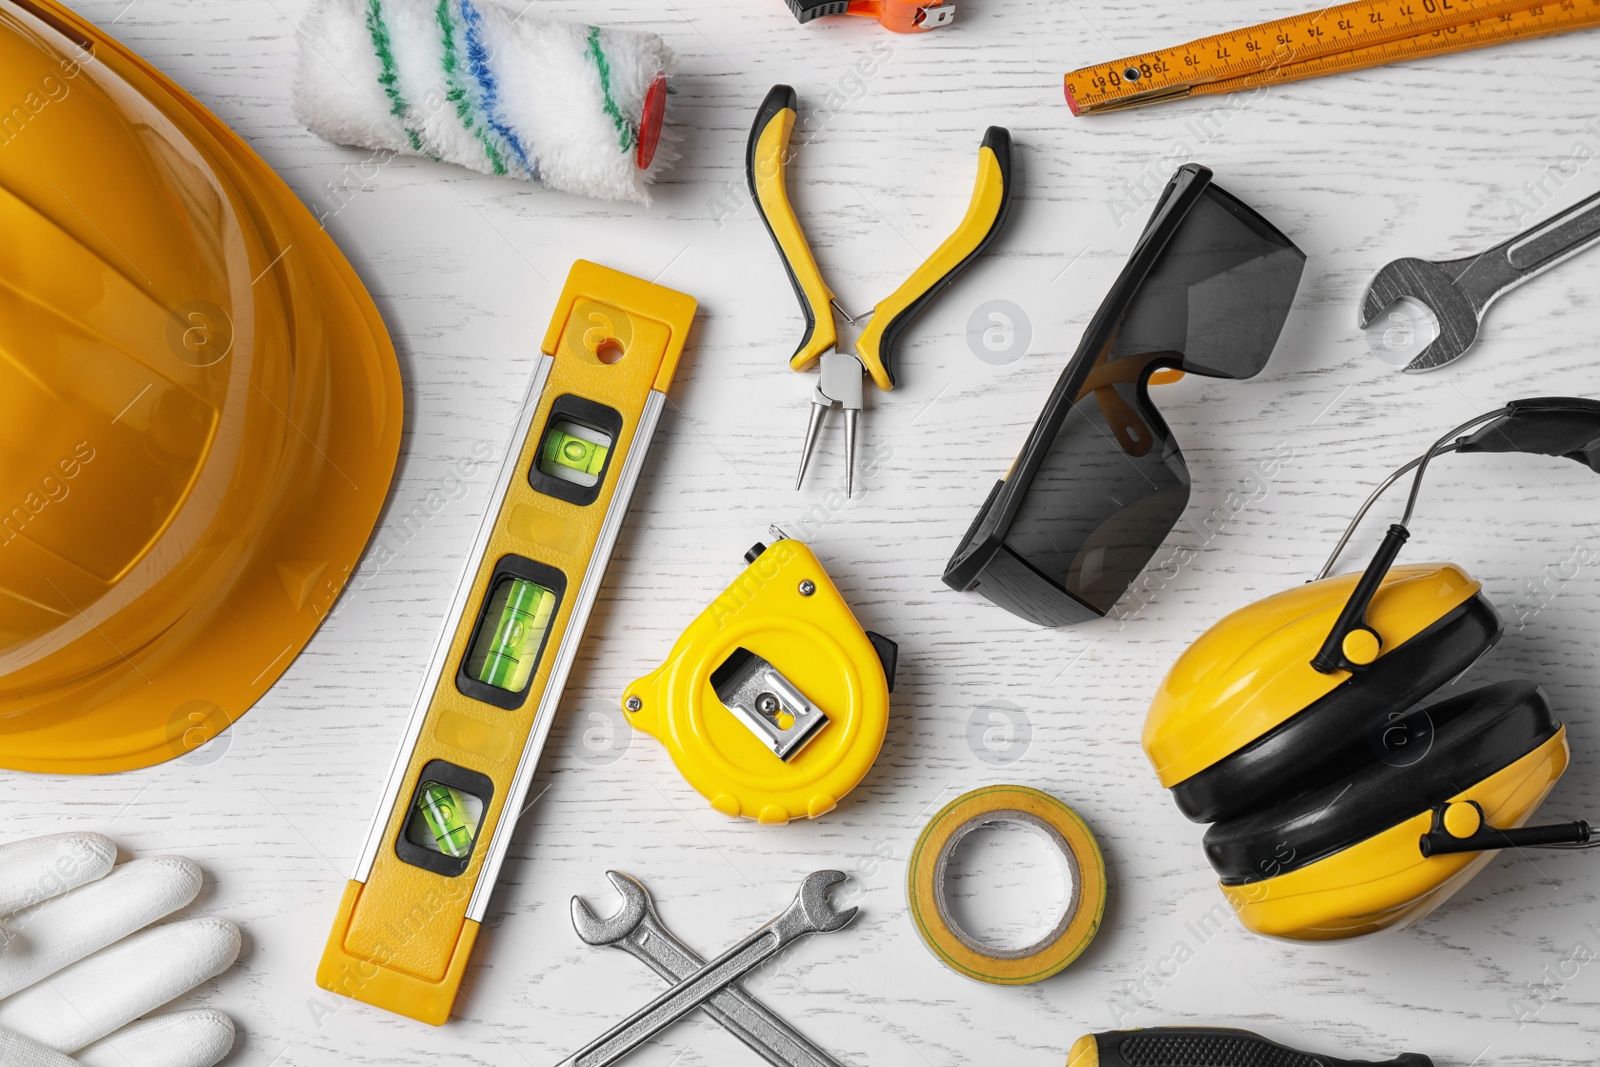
(1344, 860)
(1466, 739)
(1243, 716)
(1280, 725)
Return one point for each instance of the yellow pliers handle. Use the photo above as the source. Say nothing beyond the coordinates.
(766, 157)
(991, 199)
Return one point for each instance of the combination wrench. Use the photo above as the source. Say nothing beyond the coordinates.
(811, 912)
(639, 931)
(1459, 291)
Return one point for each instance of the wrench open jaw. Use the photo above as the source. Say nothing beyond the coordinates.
(635, 906)
(1459, 291)
(636, 928)
(818, 910)
(811, 912)
(1437, 287)
(638, 931)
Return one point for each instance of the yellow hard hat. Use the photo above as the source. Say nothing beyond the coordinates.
(199, 409)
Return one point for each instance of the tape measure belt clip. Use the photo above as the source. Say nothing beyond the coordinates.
(771, 706)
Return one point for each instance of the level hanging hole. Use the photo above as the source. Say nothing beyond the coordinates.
(609, 351)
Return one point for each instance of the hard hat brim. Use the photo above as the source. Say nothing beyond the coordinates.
(162, 701)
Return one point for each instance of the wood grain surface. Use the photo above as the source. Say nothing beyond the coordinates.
(1426, 159)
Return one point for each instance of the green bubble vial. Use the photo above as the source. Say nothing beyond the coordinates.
(574, 452)
(506, 647)
(449, 818)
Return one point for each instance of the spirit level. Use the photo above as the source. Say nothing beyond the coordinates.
(411, 912)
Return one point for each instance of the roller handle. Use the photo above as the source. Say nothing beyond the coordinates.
(1206, 1046)
(991, 200)
(765, 162)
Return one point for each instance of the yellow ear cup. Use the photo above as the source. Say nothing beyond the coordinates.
(1252, 671)
(1385, 881)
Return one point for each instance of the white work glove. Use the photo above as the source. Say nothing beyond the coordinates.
(78, 964)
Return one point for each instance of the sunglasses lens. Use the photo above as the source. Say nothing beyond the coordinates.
(1107, 494)
(1220, 293)
(1111, 484)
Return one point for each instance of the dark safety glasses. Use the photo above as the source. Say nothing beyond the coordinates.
(1100, 482)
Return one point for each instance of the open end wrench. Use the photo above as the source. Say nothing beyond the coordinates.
(811, 912)
(638, 930)
(1459, 291)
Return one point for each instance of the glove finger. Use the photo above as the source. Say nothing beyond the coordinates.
(180, 1039)
(19, 1051)
(49, 936)
(96, 996)
(43, 867)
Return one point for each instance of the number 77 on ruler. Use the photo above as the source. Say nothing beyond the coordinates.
(411, 912)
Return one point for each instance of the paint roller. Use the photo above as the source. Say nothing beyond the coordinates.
(487, 86)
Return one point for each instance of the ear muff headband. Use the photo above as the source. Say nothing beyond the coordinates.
(1554, 426)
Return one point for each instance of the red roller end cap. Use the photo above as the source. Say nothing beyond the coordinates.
(655, 109)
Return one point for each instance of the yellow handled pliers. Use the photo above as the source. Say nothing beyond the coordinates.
(766, 157)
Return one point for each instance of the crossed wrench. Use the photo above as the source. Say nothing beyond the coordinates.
(638, 930)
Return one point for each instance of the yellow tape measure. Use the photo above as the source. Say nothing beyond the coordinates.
(1339, 38)
(774, 702)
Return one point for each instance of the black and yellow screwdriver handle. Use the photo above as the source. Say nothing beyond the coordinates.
(765, 159)
(991, 200)
(1207, 1046)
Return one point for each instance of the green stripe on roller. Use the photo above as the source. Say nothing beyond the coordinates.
(389, 75)
(603, 65)
(456, 94)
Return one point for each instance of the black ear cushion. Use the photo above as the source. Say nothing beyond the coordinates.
(1343, 730)
(1473, 736)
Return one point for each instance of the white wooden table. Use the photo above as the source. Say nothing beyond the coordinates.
(1420, 159)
